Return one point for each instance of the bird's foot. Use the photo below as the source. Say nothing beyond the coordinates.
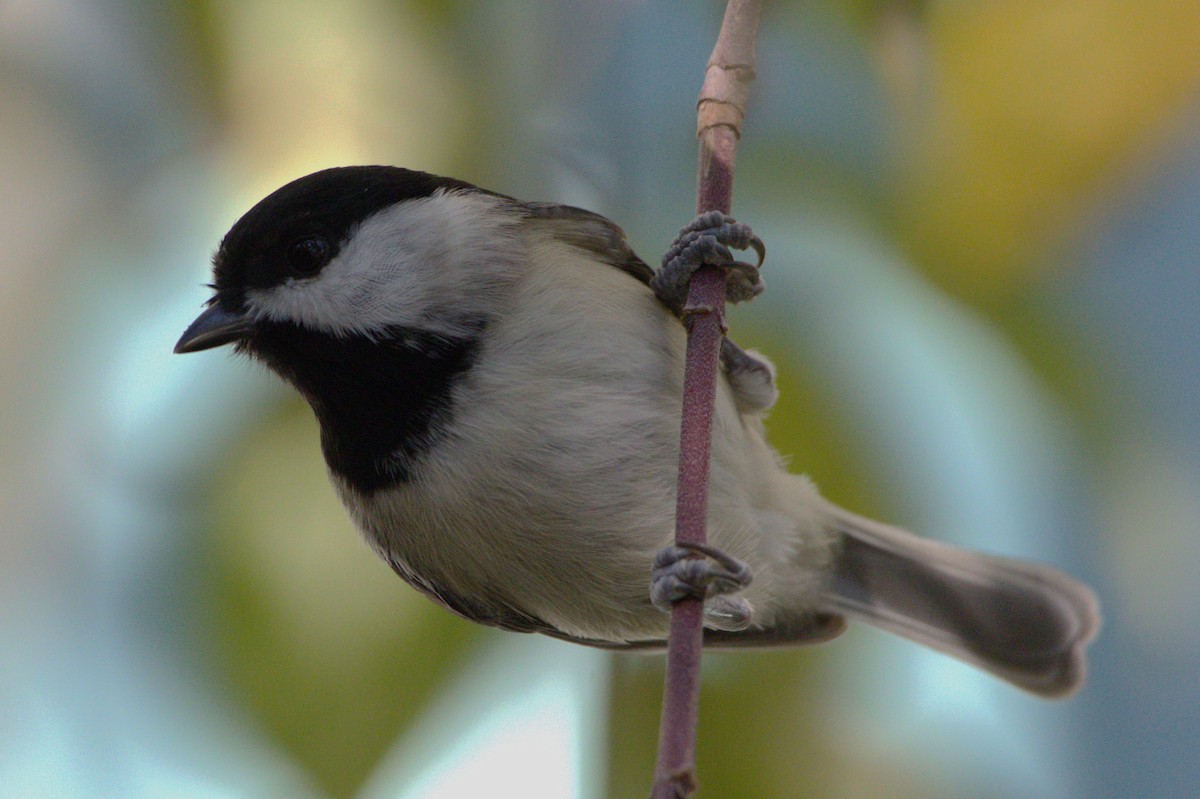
(707, 242)
(706, 573)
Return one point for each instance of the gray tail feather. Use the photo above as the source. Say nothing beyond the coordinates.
(1025, 623)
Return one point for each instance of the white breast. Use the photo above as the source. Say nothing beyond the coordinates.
(556, 485)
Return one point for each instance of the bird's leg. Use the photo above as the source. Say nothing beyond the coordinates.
(751, 377)
(706, 573)
(707, 242)
(697, 570)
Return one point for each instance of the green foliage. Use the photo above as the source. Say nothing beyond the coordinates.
(330, 652)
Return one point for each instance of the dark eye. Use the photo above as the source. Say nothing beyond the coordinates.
(307, 255)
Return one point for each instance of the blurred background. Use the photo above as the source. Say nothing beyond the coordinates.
(983, 286)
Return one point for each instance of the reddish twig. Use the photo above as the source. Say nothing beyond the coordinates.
(719, 119)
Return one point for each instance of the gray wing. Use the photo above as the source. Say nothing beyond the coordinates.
(809, 630)
(815, 629)
(592, 233)
(751, 377)
(490, 614)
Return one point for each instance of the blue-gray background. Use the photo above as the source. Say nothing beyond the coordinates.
(983, 289)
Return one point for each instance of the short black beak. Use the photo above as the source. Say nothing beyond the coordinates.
(214, 327)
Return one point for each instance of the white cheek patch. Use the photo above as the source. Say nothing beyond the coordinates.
(438, 263)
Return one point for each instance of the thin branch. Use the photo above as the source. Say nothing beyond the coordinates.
(719, 120)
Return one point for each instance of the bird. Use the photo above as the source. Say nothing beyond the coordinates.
(498, 389)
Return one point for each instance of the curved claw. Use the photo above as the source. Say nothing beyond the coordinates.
(697, 571)
(759, 248)
(707, 242)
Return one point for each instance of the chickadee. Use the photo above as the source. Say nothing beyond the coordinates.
(498, 385)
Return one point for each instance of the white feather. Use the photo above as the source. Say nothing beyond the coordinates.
(434, 263)
(564, 452)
